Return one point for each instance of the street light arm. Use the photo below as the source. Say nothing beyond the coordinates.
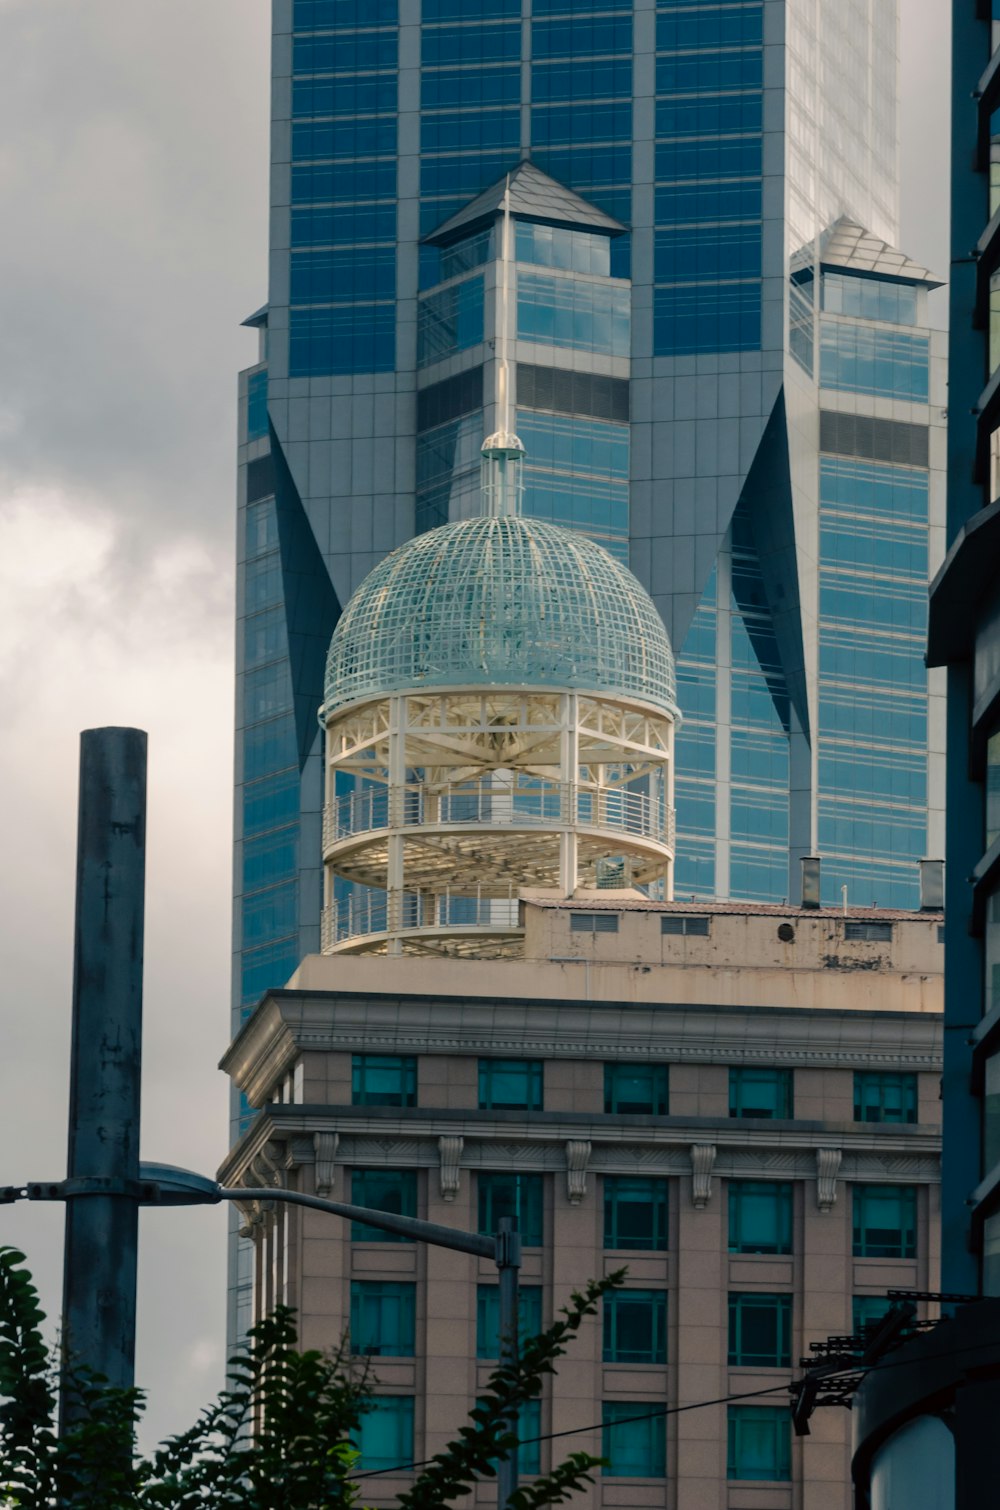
(405, 1226)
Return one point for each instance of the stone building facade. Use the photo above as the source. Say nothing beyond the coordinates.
(737, 1103)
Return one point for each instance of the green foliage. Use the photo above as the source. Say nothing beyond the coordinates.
(279, 1437)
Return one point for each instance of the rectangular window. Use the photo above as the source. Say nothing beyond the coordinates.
(885, 1221)
(513, 1085)
(759, 1443)
(383, 1080)
(678, 923)
(867, 1310)
(488, 1317)
(760, 1216)
(383, 1318)
(529, 1432)
(257, 405)
(515, 1195)
(884, 1096)
(760, 1331)
(567, 312)
(640, 1090)
(450, 321)
(864, 359)
(635, 1326)
(593, 922)
(872, 933)
(635, 1213)
(385, 1434)
(392, 1190)
(760, 1093)
(634, 1440)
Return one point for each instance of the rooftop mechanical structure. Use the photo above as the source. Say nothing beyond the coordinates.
(500, 706)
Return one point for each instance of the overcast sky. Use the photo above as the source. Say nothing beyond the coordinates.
(133, 181)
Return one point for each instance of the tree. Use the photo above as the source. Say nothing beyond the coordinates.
(279, 1437)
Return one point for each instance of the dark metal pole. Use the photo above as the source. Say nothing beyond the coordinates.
(99, 1274)
(508, 1261)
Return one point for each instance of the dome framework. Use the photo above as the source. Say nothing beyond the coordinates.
(500, 715)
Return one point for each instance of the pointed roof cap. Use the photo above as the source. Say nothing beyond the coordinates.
(533, 195)
(848, 245)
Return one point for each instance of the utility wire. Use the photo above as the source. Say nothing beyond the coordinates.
(676, 1410)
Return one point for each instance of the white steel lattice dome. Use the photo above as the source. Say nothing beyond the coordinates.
(500, 602)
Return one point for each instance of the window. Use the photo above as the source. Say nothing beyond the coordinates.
(385, 1434)
(760, 1331)
(392, 1190)
(759, 1443)
(641, 1090)
(866, 1310)
(635, 1326)
(760, 1093)
(514, 1195)
(510, 1085)
(383, 1318)
(593, 922)
(760, 1217)
(678, 923)
(257, 405)
(383, 1080)
(488, 1317)
(635, 1213)
(529, 1431)
(883, 1096)
(880, 933)
(562, 311)
(634, 1445)
(885, 1221)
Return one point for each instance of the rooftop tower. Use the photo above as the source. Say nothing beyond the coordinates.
(499, 709)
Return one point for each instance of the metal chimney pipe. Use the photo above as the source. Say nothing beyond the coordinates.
(810, 880)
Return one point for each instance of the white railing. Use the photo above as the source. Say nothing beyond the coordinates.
(496, 802)
(374, 912)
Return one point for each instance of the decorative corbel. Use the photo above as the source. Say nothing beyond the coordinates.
(827, 1169)
(577, 1159)
(702, 1164)
(326, 1145)
(449, 1170)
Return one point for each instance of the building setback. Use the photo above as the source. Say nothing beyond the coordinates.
(756, 1141)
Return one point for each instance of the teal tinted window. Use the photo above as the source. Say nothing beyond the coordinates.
(635, 1326)
(529, 1432)
(864, 359)
(450, 320)
(340, 339)
(273, 857)
(558, 246)
(385, 1435)
(869, 299)
(271, 802)
(383, 1080)
(760, 1331)
(640, 1090)
(488, 1317)
(634, 1445)
(885, 1221)
(383, 1318)
(518, 1196)
(269, 747)
(884, 1096)
(270, 914)
(392, 1190)
(760, 1093)
(760, 1444)
(635, 1212)
(568, 312)
(510, 1085)
(257, 405)
(868, 1310)
(760, 1216)
(267, 968)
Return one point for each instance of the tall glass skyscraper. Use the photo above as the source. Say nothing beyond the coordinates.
(720, 368)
